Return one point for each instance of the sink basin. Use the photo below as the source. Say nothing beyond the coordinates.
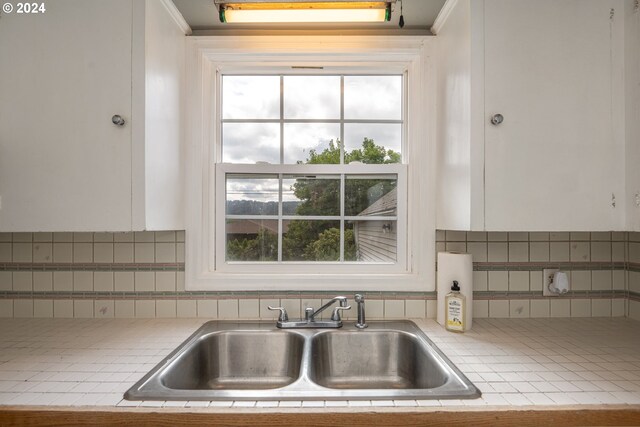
(257, 361)
(385, 360)
(237, 360)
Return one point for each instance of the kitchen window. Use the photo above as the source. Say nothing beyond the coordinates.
(311, 173)
(309, 164)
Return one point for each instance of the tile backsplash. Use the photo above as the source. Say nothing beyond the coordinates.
(141, 274)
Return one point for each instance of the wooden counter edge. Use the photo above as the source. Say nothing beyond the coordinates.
(600, 415)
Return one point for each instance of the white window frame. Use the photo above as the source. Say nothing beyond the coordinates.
(208, 56)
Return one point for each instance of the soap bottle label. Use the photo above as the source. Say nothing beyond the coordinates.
(454, 314)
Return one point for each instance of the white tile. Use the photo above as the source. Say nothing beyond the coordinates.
(179, 252)
(123, 237)
(43, 308)
(432, 308)
(5, 237)
(455, 236)
(165, 252)
(145, 308)
(104, 309)
(559, 251)
(145, 281)
(601, 307)
(539, 308)
(580, 280)
(480, 309)
(165, 236)
(83, 252)
(374, 309)
(456, 246)
(5, 252)
(498, 308)
(165, 281)
(208, 308)
(580, 308)
(518, 280)
(580, 252)
(601, 251)
(83, 309)
(144, 236)
(601, 280)
(63, 252)
(518, 252)
(6, 308)
(124, 309)
(22, 308)
(103, 281)
(249, 309)
(186, 308)
(103, 237)
(619, 280)
(62, 281)
(539, 251)
(519, 308)
(123, 252)
(63, 237)
(144, 252)
(85, 237)
(617, 307)
(83, 281)
(43, 252)
(416, 309)
(6, 281)
(497, 252)
(498, 281)
(560, 308)
(63, 308)
(42, 281)
(290, 403)
(124, 281)
(394, 309)
(22, 281)
(480, 281)
(535, 281)
(293, 307)
(180, 281)
(228, 309)
(22, 252)
(166, 308)
(103, 252)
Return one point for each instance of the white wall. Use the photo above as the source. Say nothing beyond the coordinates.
(632, 116)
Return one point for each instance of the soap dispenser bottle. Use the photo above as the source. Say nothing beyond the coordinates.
(454, 309)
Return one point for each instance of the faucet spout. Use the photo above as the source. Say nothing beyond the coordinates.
(311, 314)
(361, 323)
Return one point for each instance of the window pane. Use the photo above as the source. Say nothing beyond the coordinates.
(251, 97)
(374, 195)
(373, 97)
(311, 143)
(252, 194)
(311, 195)
(311, 97)
(370, 241)
(311, 241)
(251, 142)
(372, 143)
(252, 240)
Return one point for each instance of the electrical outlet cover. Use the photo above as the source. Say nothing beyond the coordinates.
(547, 277)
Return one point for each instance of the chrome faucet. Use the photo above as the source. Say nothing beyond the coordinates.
(361, 323)
(310, 314)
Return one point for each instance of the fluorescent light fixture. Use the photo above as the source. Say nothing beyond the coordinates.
(264, 11)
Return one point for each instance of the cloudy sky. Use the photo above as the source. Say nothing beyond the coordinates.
(306, 98)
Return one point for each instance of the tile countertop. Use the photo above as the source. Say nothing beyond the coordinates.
(514, 362)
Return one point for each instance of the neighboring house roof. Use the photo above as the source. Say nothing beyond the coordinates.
(385, 205)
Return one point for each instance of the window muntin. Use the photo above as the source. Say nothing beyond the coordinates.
(310, 217)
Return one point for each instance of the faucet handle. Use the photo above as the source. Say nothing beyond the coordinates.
(283, 317)
(336, 313)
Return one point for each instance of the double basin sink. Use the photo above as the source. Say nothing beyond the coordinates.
(257, 361)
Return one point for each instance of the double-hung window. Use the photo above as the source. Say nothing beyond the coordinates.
(311, 176)
(310, 163)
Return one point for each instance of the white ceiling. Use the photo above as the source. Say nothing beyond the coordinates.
(202, 16)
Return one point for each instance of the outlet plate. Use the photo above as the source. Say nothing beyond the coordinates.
(547, 276)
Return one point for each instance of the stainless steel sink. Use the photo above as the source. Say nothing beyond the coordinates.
(256, 361)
